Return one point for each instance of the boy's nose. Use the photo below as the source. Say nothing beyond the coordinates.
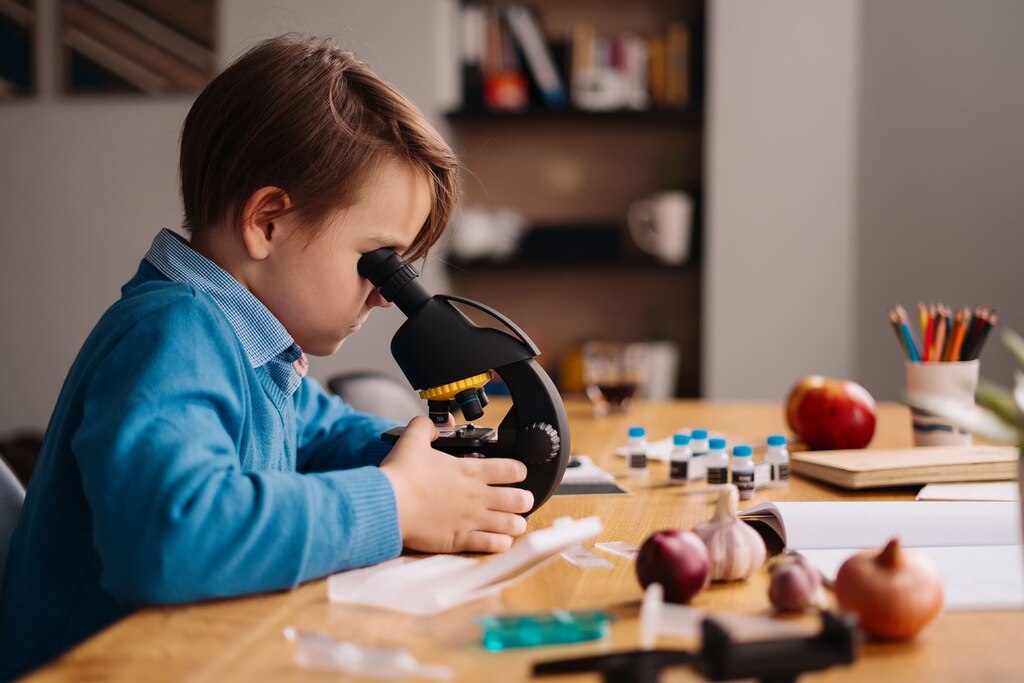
(376, 299)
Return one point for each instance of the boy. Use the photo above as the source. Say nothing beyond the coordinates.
(188, 456)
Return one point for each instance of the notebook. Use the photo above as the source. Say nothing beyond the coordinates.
(975, 545)
(868, 468)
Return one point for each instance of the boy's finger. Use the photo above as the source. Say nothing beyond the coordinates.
(506, 499)
(486, 542)
(505, 523)
(420, 427)
(502, 470)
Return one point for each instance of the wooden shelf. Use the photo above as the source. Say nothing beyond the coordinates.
(573, 174)
(690, 117)
(515, 265)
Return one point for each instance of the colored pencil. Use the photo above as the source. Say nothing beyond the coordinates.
(910, 343)
(947, 335)
(940, 333)
(957, 336)
(929, 334)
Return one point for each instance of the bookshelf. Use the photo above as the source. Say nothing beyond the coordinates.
(573, 173)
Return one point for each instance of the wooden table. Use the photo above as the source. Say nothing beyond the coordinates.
(241, 640)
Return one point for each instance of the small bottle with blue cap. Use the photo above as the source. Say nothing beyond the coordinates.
(679, 459)
(699, 442)
(743, 471)
(636, 450)
(777, 456)
(717, 463)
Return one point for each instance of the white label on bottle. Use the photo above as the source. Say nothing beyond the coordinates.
(698, 469)
(763, 473)
(744, 480)
(638, 460)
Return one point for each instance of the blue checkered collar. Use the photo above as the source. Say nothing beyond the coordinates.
(262, 335)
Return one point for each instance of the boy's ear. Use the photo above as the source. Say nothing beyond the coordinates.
(261, 220)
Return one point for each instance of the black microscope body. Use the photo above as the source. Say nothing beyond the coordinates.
(447, 357)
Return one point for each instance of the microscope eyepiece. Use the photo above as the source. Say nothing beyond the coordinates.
(395, 278)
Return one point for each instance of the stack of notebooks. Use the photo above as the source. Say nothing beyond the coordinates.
(873, 468)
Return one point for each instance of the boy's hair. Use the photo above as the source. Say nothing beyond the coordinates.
(303, 115)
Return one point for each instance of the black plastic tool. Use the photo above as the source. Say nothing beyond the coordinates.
(723, 659)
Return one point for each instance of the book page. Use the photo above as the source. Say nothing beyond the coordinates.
(870, 524)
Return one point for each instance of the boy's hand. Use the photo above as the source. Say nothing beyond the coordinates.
(448, 504)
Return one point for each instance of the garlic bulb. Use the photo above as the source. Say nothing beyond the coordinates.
(795, 585)
(735, 549)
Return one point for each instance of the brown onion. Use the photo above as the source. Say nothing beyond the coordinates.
(895, 593)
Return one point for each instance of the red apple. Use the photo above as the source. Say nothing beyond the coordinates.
(829, 413)
(676, 559)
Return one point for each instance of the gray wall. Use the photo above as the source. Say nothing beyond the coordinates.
(941, 173)
(779, 257)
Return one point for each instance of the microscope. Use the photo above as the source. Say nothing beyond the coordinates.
(448, 358)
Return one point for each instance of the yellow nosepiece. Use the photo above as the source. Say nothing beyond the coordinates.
(446, 392)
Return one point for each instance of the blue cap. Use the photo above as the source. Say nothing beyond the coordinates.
(699, 434)
(717, 444)
(776, 440)
(680, 440)
(742, 451)
(637, 432)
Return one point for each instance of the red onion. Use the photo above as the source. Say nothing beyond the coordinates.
(676, 559)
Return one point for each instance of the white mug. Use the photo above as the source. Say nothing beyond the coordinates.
(954, 382)
(660, 225)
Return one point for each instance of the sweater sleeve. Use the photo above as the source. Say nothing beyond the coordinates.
(174, 518)
(333, 436)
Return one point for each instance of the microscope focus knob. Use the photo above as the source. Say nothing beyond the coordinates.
(538, 443)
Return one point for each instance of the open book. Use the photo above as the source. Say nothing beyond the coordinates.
(975, 545)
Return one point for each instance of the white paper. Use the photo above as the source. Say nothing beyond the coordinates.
(586, 472)
(976, 546)
(976, 577)
(981, 490)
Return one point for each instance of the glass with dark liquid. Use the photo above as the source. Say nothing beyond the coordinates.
(612, 372)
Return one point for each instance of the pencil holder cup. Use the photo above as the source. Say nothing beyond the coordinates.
(955, 382)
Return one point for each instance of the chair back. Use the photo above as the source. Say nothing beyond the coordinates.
(12, 495)
(378, 393)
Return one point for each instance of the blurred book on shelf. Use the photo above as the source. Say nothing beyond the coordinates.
(509, 63)
(537, 54)
(503, 78)
(630, 71)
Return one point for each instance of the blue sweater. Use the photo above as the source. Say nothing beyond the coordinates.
(173, 471)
